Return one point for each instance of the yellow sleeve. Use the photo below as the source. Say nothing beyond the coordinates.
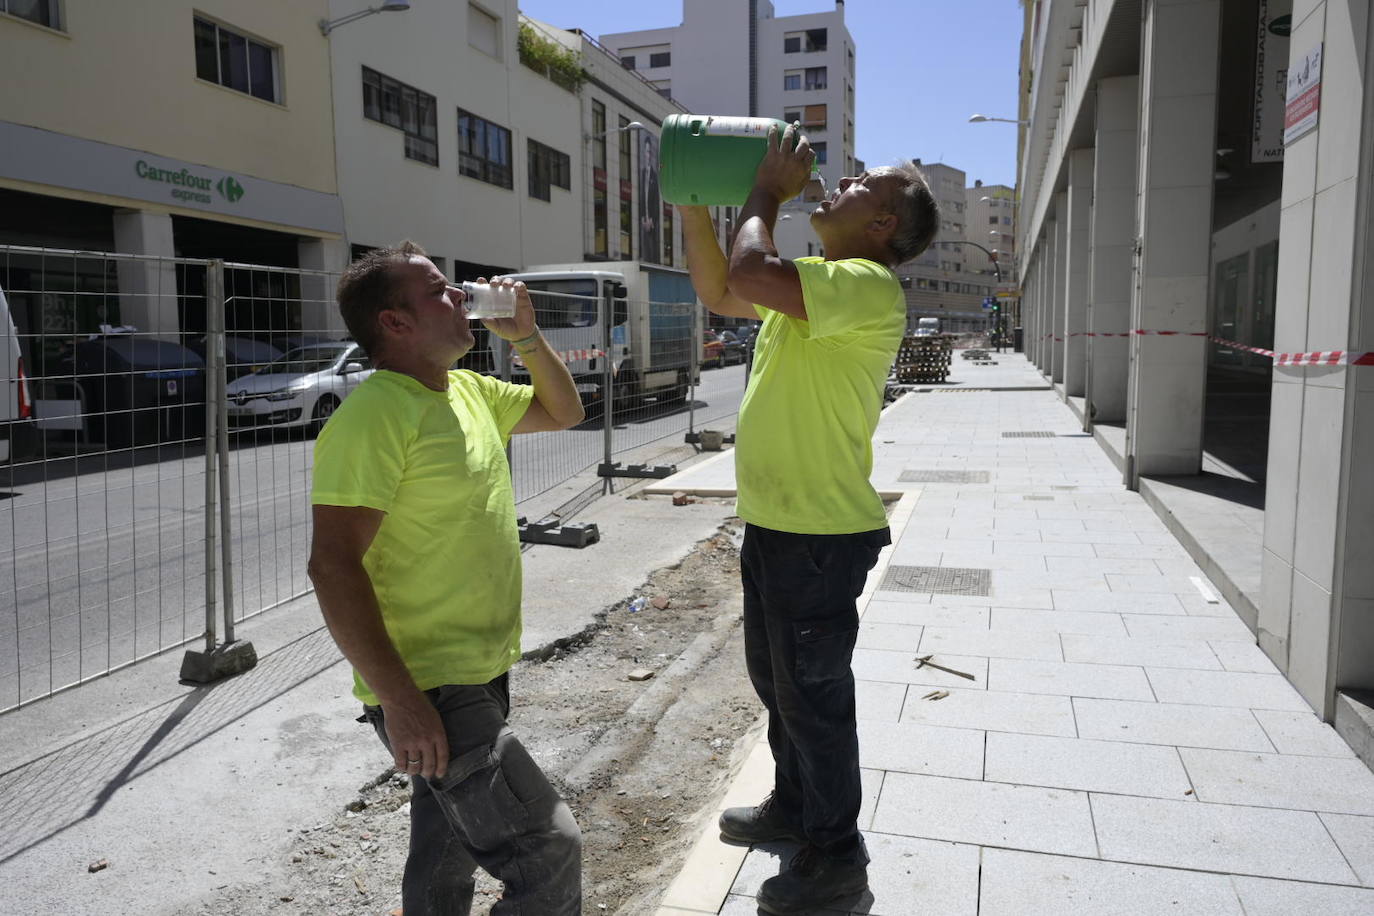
(360, 453)
(508, 402)
(845, 296)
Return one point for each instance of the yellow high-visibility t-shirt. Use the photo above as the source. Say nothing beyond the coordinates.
(445, 563)
(804, 449)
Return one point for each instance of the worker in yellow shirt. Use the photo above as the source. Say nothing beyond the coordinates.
(814, 524)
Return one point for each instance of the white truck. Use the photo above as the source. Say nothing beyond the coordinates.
(655, 339)
(15, 406)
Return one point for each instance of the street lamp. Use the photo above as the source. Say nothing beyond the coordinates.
(979, 119)
(992, 256)
(633, 125)
(388, 6)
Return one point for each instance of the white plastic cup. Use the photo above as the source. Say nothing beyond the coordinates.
(487, 301)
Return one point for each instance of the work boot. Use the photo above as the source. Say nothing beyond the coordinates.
(811, 880)
(760, 824)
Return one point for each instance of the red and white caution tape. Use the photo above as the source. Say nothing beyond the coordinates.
(1318, 358)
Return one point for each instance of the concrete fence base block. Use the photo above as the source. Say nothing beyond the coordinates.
(221, 662)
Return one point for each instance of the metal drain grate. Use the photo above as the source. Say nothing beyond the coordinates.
(1030, 434)
(956, 390)
(1038, 497)
(939, 580)
(1062, 487)
(943, 477)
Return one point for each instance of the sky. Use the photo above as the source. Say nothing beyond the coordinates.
(923, 66)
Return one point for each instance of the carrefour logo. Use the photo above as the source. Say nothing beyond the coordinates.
(189, 186)
(229, 189)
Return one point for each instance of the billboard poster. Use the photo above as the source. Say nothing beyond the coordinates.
(650, 203)
(1304, 95)
(1271, 76)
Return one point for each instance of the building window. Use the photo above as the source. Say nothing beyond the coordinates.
(627, 220)
(484, 150)
(225, 57)
(992, 220)
(661, 59)
(599, 206)
(628, 61)
(809, 40)
(814, 117)
(548, 167)
(406, 108)
(484, 31)
(668, 234)
(792, 79)
(42, 12)
(849, 57)
(663, 88)
(819, 150)
(792, 116)
(815, 78)
(1006, 221)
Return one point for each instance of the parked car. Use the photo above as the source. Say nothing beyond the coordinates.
(136, 390)
(713, 350)
(302, 387)
(242, 355)
(736, 350)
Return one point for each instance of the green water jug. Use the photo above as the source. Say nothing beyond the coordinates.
(710, 160)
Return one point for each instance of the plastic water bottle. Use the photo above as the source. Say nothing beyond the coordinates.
(711, 160)
(487, 301)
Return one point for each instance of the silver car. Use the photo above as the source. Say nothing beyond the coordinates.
(302, 387)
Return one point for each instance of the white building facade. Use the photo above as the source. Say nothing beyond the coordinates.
(1176, 217)
(734, 57)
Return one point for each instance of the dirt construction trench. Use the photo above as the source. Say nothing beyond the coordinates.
(639, 761)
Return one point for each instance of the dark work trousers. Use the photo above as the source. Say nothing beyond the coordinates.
(800, 625)
(494, 808)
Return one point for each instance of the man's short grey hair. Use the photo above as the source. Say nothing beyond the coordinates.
(918, 214)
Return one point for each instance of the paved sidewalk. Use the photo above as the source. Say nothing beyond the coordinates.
(1124, 747)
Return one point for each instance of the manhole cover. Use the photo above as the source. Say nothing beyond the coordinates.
(1039, 498)
(944, 477)
(940, 580)
(1030, 434)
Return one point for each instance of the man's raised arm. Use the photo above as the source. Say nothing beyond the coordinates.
(707, 265)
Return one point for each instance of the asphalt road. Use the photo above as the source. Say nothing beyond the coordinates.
(109, 552)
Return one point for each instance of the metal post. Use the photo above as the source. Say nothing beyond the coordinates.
(221, 398)
(694, 370)
(214, 359)
(607, 380)
(231, 657)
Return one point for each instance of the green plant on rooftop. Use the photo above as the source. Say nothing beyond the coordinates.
(550, 59)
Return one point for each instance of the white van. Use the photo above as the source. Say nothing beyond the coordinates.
(927, 327)
(15, 405)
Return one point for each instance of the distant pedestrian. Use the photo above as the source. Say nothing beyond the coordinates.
(814, 523)
(416, 564)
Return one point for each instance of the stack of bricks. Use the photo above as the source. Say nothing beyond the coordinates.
(923, 359)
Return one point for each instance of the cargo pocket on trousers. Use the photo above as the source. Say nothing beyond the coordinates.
(477, 799)
(824, 650)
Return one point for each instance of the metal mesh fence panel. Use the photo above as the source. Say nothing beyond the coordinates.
(102, 515)
(118, 523)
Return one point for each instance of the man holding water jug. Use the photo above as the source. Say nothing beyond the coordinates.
(416, 565)
(814, 524)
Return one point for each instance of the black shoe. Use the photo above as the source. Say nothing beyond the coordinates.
(759, 825)
(811, 880)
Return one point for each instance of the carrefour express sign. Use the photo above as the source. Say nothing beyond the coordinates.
(188, 186)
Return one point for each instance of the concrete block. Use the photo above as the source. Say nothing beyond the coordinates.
(1269, 897)
(1092, 766)
(900, 668)
(1355, 837)
(1026, 713)
(1341, 785)
(1113, 682)
(1033, 620)
(1160, 626)
(1170, 723)
(993, 814)
(1235, 655)
(223, 661)
(894, 636)
(926, 614)
(990, 643)
(1141, 651)
(1225, 688)
(879, 701)
(1118, 602)
(1221, 838)
(907, 748)
(1035, 884)
(1301, 733)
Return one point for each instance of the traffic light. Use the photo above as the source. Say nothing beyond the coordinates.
(996, 305)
